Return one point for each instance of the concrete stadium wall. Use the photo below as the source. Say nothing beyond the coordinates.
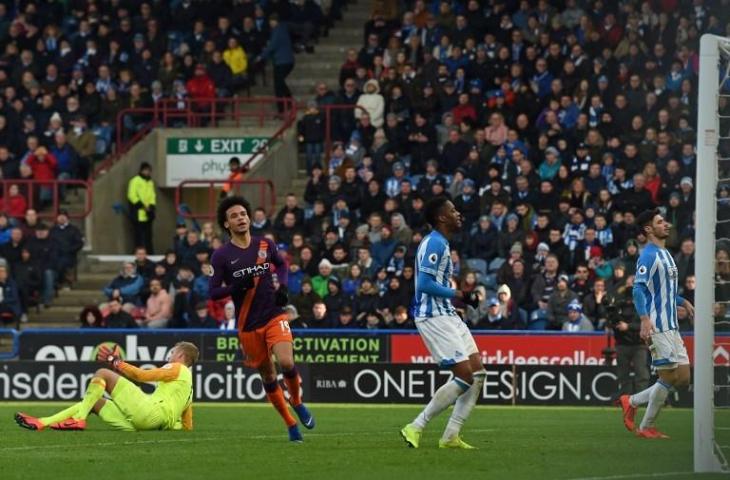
(108, 232)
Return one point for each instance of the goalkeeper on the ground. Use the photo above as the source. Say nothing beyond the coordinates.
(170, 407)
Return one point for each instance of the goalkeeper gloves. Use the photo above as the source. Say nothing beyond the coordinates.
(113, 358)
(471, 299)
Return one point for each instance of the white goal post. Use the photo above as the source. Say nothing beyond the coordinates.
(707, 456)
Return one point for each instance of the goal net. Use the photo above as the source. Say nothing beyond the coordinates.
(711, 383)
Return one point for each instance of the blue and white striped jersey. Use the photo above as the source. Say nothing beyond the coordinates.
(657, 271)
(433, 258)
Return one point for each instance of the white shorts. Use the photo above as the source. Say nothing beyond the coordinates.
(667, 350)
(448, 339)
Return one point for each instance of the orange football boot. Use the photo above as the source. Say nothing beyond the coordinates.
(70, 424)
(629, 412)
(26, 421)
(651, 433)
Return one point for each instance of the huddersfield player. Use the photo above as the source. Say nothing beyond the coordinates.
(170, 407)
(243, 269)
(446, 336)
(656, 300)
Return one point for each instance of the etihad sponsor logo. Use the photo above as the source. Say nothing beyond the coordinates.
(254, 271)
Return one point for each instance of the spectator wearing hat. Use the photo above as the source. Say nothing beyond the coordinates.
(319, 282)
(68, 242)
(397, 262)
(392, 184)
(402, 233)
(686, 187)
(142, 204)
(560, 298)
(494, 318)
(335, 298)
(576, 322)
(372, 103)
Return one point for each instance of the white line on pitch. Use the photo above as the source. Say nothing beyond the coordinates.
(189, 440)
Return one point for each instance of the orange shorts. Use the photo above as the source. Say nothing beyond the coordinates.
(256, 345)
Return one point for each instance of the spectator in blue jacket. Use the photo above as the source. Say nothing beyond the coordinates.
(279, 51)
(127, 285)
(383, 249)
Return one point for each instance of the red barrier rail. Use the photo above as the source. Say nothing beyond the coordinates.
(32, 191)
(213, 195)
(328, 120)
(197, 113)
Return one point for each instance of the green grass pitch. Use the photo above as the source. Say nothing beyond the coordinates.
(352, 442)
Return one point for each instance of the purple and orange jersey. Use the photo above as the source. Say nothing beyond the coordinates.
(234, 266)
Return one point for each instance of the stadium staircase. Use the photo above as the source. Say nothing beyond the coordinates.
(324, 65)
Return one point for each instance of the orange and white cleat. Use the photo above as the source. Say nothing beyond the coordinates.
(26, 421)
(69, 424)
(651, 433)
(629, 412)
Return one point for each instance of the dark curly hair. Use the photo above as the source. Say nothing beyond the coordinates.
(227, 203)
(98, 318)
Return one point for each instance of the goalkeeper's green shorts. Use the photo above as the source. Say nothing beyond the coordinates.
(131, 409)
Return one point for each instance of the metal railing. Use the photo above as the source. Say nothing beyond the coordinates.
(328, 109)
(266, 189)
(133, 124)
(37, 193)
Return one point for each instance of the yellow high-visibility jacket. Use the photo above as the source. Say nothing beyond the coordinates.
(236, 59)
(141, 191)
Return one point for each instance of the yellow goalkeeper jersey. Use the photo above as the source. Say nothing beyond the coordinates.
(174, 392)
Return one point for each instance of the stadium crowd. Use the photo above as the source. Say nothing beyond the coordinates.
(67, 69)
(549, 124)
